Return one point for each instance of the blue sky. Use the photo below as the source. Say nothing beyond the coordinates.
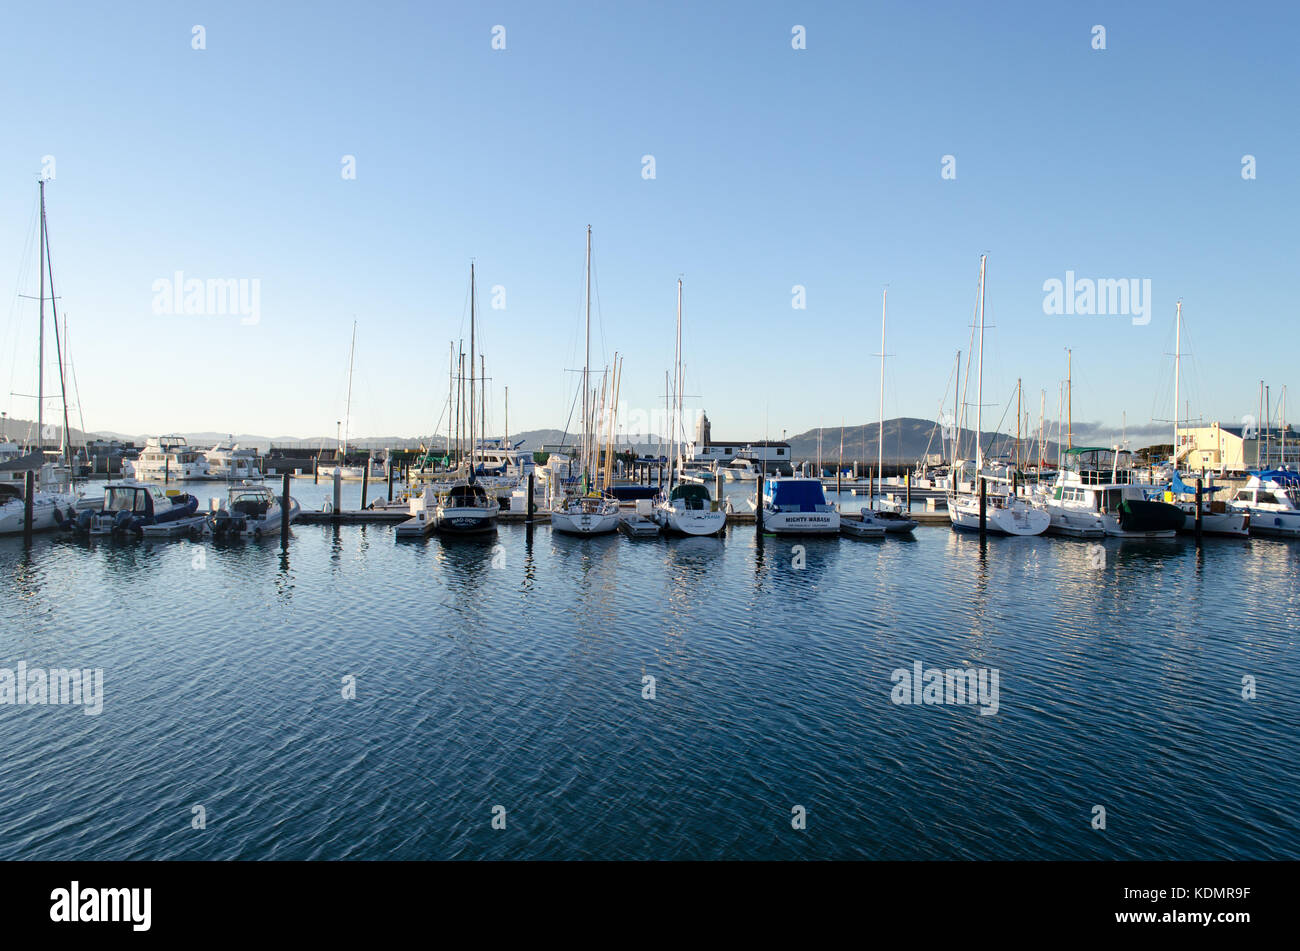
(774, 167)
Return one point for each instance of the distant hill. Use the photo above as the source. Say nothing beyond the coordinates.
(907, 440)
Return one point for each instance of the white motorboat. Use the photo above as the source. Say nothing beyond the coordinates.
(49, 509)
(798, 506)
(250, 508)
(231, 464)
(1099, 487)
(1272, 500)
(170, 458)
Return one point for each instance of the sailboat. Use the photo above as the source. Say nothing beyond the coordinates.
(587, 512)
(340, 466)
(687, 508)
(53, 500)
(1004, 512)
(870, 521)
(1217, 518)
(465, 507)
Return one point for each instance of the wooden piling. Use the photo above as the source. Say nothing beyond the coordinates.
(390, 481)
(365, 482)
(758, 510)
(907, 483)
(338, 490)
(167, 469)
(1199, 490)
(315, 470)
(532, 504)
(284, 513)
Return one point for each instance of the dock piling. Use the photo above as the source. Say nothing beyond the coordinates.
(365, 482)
(907, 484)
(532, 502)
(315, 470)
(284, 513)
(338, 490)
(29, 484)
(758, 509)
(1199, 488)
(983, 507)
(390, 481)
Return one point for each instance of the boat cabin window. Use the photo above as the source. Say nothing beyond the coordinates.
(120, 500)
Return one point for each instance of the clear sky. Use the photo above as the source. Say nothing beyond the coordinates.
(773, 167)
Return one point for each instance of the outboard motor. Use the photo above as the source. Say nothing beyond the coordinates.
(123, 522)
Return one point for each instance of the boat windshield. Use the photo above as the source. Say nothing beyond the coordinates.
(124, 500)
(694, 496)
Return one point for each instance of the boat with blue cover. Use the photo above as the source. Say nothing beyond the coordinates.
(797, 506)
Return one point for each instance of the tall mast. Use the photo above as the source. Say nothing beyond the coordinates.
(880, 425)
(979, 390)
(677, 394)
(956, 414)
(471, 371)
(586, 370)
(40, 353)
(451, 389)
(1178, 354)
(347, 415)
(1042, 405)
(507, 438)
(482, 419)
(1018, 386)
(1069, 396)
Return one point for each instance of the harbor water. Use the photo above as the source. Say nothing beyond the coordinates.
(657, 698)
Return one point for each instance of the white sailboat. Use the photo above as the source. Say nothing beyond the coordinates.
(872, 522)
(586, 512)
(687, 508)
(53, 498)
(465, 507)
(339, 465)
(1004, 513)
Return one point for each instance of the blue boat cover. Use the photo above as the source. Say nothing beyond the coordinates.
(1280, 476)
(798, 495)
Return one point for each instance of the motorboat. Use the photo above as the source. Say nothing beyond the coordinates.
(1272, 500)
(167, 458)
(1099, 487)
(130, 507)
(797, 506)
(250, 508)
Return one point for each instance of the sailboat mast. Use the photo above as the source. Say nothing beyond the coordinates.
(472, 421)
(1178, 359)
(956, 414)
(347, 415)
(586, 371)
(1069, 396)
(451, 389)
(40, 352)
(678, 435)
(979, 390)
(880, 419)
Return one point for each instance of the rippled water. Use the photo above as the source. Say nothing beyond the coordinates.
(512, 676)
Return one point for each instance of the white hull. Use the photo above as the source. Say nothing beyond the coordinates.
(801, 523)
(150, 472)
(690, 521)
(1018, 518)
(1217, 523)
(861, 527)
(44, 505)
(584, 523)
(1075, 523)
(1281, 523)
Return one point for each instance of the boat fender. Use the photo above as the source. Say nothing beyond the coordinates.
(327, 507)
(58, 517)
